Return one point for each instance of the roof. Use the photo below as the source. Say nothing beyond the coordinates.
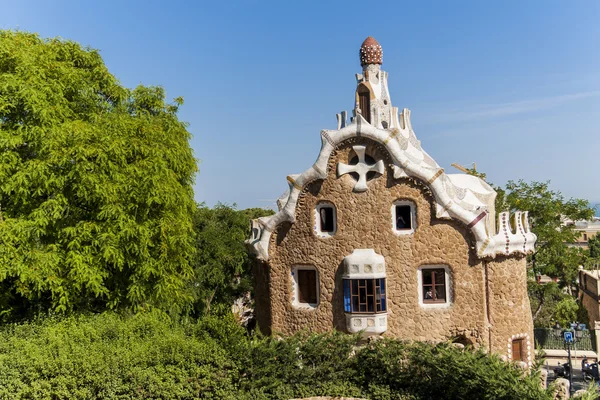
(460, 197)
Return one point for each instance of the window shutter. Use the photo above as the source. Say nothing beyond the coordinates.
(517, 350)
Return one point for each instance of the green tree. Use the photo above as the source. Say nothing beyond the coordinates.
(222, 265)
(95, 185)
(549, 213)
(594, 246)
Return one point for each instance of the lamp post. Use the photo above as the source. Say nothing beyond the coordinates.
(569, 338)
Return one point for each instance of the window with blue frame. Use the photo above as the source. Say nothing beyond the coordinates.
(364, 296)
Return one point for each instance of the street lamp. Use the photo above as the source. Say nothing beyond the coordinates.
(569, 339)
(557, 330)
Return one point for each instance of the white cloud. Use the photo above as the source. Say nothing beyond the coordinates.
(512, 108)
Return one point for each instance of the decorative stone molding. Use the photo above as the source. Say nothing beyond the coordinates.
(364, 264)
(369, 324)
(461, 201)
(362, 169)
(521, 240)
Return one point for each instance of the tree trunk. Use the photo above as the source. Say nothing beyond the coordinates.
(538, 309)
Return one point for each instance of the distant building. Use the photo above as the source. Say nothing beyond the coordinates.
(586, 230)
(377, 238)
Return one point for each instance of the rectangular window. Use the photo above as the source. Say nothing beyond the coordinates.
(326, 219)
(307, 286)
(518, 350)
(585, 238)
(403, 217)
(434, 285)
(364, 295)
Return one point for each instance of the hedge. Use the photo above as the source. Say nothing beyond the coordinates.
(150, 356)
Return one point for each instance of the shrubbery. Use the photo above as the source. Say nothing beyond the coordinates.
(149, 356)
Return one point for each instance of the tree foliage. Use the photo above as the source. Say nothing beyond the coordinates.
(594, 246)
(222, 266)
(95, 184)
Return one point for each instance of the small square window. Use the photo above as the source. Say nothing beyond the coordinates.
(403, 217)
(434, 283)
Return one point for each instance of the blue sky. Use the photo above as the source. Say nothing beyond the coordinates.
(512, 86)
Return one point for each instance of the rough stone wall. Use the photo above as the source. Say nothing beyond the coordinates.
(262, 296)
(510, 311)
(588, 289)
(592, 307)
(364, 220)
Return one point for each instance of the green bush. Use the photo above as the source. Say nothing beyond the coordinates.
(150, 356)
(109, 357)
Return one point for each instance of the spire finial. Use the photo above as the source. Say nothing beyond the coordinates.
(371, 52)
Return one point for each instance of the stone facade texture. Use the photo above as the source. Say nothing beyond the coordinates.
(488, 299)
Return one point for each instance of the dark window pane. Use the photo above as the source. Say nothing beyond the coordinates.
(307, 286)
(403, 217)
(326, 219)
(355, 304)
(362, 294)
(440, 293)
(427, 277)
(440, 276)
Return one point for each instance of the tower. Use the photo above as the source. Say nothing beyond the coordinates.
(372, 99)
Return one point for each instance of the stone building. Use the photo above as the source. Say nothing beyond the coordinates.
(376, 238)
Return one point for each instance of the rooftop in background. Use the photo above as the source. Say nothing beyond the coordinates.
(586, 229)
